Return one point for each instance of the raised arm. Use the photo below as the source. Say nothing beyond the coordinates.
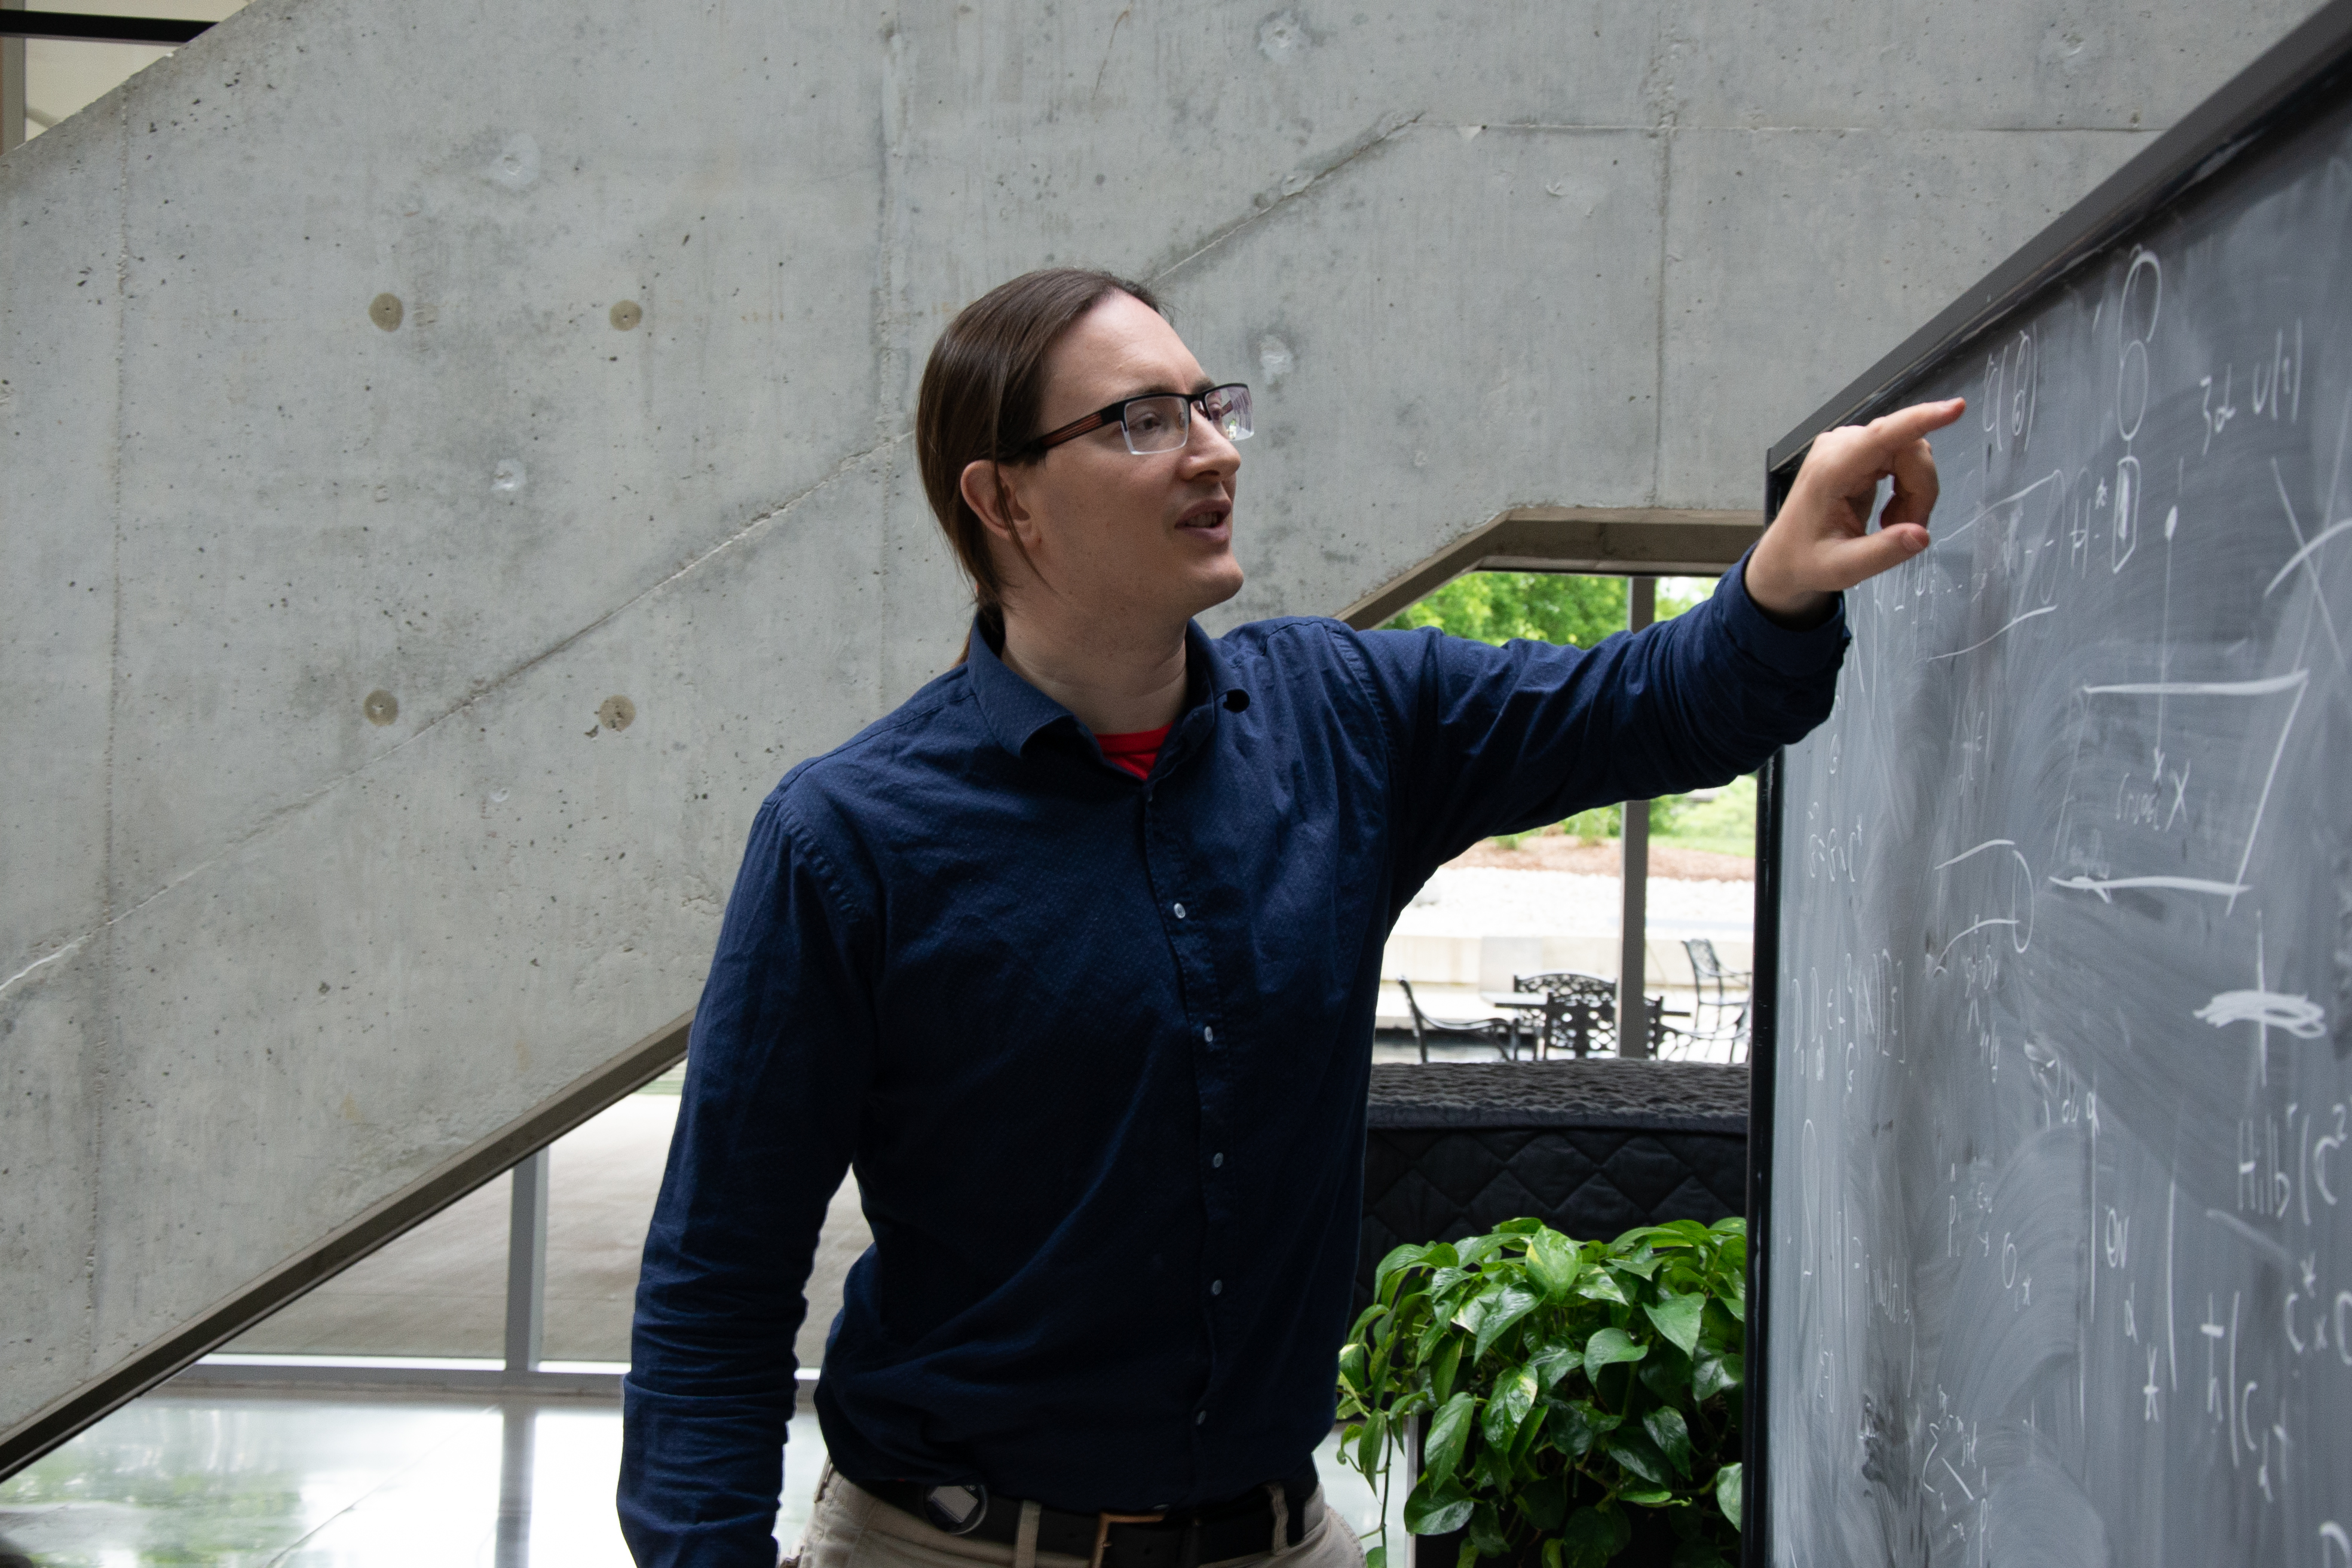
(775, 1072)
(1501, 739)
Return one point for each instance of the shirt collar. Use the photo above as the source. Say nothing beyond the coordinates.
(1016, 712)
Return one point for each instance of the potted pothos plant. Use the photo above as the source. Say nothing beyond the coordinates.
(1573, 1398)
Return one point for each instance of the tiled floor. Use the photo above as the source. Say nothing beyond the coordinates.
(316, 1481)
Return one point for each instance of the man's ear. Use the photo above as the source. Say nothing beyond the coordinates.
(988, 489)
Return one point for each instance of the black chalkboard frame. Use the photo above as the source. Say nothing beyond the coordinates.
(2308, 71)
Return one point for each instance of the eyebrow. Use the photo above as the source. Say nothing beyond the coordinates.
(1161, 389)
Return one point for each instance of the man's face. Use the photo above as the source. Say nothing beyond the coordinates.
(1149, 535)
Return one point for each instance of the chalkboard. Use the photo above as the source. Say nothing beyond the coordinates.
(2055, 1208)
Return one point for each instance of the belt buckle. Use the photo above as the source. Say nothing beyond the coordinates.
(1103, 1521)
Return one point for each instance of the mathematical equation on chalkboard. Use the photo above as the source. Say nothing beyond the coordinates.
(2063, 1239)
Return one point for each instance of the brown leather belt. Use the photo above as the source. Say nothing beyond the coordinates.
(1183, 1538)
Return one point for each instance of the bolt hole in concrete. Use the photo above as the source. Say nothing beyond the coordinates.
(627, 314)
(616, 712)
(380, 706)
(508, 477)
(385, 311)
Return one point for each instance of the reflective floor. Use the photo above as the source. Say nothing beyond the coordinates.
(322, 1481)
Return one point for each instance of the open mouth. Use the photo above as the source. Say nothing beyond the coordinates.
(1206, 515)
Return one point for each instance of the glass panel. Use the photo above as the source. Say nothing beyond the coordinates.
(439, 1291)
(1549, 900)
(602, 1179)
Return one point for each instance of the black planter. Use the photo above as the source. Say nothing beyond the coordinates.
(1591, 1148)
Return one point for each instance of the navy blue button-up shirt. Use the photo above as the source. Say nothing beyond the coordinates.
(1097, 1049)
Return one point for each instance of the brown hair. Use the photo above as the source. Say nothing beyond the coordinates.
(981, 394)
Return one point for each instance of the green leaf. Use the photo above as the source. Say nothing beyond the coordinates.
(1648, 1496)
(1399, 1259)
(1372, 1446)
(1587, 1539)
(1437, 1507)
(1666, 1373)
(1638, 1454)
(1526, 1225)
(1719, 1328)
(1544, 1502)
(1621, 1528)
(1671, 1433)
(1609, 1347)
(1677, 1318)
(1551, 1551)
(1727, 1492)
(1514, 1396)
(1641, 1261)
(1554, 1362)
(1696, 1555)
(1470, 1313)
(1449, 1362)
(1554, 1260)
(1713, 1372)
(1449, 1432)
(1516, 1301)
(1352, 1360)
(1486, 1531)
(1477, 1249)
(1598, 1285)
(1577, 1426)
(1376, 1557)
(1468, 1556)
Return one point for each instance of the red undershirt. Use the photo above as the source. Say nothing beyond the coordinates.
(1135, 752)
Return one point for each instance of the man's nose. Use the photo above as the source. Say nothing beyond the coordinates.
(1206, 446)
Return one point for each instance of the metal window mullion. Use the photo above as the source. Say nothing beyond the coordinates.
(1633, 919)
(527, 1265)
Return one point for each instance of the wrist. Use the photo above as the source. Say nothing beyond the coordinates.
(1780, 600)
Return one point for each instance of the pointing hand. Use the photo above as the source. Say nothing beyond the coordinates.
(1818, 545)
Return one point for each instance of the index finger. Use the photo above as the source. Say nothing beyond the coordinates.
(1894, 433)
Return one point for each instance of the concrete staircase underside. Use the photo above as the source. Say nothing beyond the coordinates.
(456, 460)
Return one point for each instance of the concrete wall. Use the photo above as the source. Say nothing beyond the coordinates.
(264, 960)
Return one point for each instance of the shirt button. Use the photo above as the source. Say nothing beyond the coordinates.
(1179, 911)
(1208, 1034)
(1200, 1418)
(1216, 1286)
(1215, 1160)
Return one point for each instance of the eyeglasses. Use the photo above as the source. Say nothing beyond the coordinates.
(1161, 422)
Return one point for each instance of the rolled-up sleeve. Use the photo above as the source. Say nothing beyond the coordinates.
(1501, 739)
(777, 1066)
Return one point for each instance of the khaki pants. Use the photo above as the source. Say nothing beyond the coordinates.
(851, 1527)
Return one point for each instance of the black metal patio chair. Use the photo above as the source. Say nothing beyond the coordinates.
(1503, 1033)
(1579, 1015)
(1716, 1013)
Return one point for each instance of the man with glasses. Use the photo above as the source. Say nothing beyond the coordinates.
(1074, 957)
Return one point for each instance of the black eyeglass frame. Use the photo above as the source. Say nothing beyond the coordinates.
(1103, 418)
